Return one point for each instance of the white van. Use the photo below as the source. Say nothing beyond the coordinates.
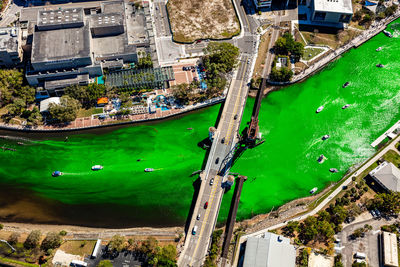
(360, 255)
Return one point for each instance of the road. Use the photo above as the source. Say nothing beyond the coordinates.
(196, 246)
(332, 195)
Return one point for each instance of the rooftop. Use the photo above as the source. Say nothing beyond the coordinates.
(387, 175)
(390, 257)
(9, 39)
(62, 17)
(105, 20)
(271, 251)
(112, 7)
(44, 104)
(337, 6)
(61, 44)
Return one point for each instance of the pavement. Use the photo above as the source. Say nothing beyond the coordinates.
(367, 244)
(124, 258)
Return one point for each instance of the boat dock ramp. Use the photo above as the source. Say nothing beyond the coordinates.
(390, 133)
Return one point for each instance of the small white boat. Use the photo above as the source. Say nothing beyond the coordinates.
(333, 170)
(325, 137)
(388, 34)
(346, 106)
(380, 66)
(312, 191)
(379, 49)
(321, 159)
(148, 170)
(320, 109)
(97, 167)
(345, 84)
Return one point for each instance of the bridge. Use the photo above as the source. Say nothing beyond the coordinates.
(218, 164)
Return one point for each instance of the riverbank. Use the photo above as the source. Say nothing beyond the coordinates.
(91, 122)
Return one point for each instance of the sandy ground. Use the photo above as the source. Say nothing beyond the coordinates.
(207, 19)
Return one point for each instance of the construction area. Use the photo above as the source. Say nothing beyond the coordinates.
(208, 19)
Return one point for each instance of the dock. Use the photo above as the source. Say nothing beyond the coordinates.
(390, 133)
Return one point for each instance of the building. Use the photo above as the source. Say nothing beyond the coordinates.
(132, 79)
(72, 46)
(10, 47)
(387, 175)
(270, 251)
(389, 256)
(263, 3)
(44, 104)
(331, 11)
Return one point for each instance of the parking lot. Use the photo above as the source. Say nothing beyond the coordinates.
(367, 244)
(125, 259)
(183, 76)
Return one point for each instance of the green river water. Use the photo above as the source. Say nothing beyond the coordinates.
(285, 167)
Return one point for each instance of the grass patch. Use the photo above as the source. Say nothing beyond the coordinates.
(392, 157)
(311, 52)
(78, 247)
(88, 112)
(20, 263)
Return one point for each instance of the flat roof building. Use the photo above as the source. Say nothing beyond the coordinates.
(10, 47)
(270, 251)
(387, 175)
(331, 11)
(389, 249)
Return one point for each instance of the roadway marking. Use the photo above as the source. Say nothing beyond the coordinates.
(210, 200)
(229, 132)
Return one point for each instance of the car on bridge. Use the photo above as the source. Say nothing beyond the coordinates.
(216, 161)
(206, 205)
(212, 181)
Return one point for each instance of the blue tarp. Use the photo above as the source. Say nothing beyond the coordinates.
(368, 3)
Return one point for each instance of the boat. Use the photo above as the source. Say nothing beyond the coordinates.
(333, 170)
(345, 84)
(380, 66)
(138, 159)
(379, 49)
(56, 173)
(325, 137)
(312, 191)
(189, 128)
(346, 106)
(97, 167)
(321, 159)
(20, 143)
(148, 170)
(320, 109)
(388, 34)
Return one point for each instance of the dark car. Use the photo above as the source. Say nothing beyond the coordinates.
(223, 140)
(206, 205)
(235, 117)
(216, 161)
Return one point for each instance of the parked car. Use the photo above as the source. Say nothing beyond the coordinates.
(373, 213)
(198, 216)
(378, 213)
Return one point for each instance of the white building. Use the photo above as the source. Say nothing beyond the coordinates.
(389, 250)
(270, 251)
(331, 11)
(387, 175)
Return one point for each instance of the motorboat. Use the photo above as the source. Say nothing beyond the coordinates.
(325, 137)
(56, 173)
(346, 106)
(20, 143)
(380, 65)
(312, 191)
(345, 84)
(189, 128)
(320, 109)
(379, 49)
(333, 170)
(148, 170)
(388, 34)
(321, 159)
(97, 167)
(138, 160)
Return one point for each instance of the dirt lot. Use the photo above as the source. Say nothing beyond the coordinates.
(207, 19)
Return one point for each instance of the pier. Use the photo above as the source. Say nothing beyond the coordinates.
(390, 133)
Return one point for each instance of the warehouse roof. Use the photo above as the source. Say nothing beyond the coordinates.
(271, 251)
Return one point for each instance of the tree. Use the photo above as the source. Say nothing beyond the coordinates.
(182, 93)
(323, 215)
(1, 226)
(51, 241)
(12, 86)
(291, 227)
(390, 10)
(116, 243)
(357, 15)
(165, 257)
(149, 246)
(338, 214)
(223, 54)
(386, 202)
(105, 263)
(308, 229)
(13, 238)
(66, 111)
(86, 95)
(145, 62)
(33, 239)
